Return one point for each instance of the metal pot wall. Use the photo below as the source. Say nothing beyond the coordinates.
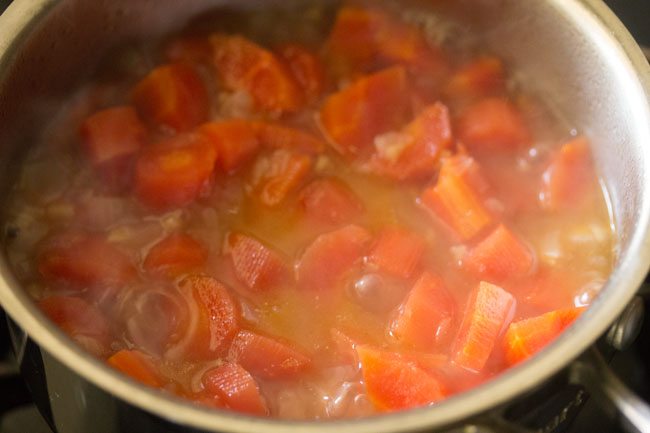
(573, 52)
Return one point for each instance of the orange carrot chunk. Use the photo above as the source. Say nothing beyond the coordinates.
(481, 78)
(330, 256)
(82, 261)
(397, 252)
(275, 177)
(235, 142)
(175, 255)
(395, 383)
(330, 201)
(174, 173)
(527, 337)
(413, 154)
(488, 313)
(111, 138)
(212, 322)
(136, 365)
(235, 387)
(492, 124)
(172, 96)
(266, 357)
(306, 69)
(365, 39)
(567, 180)
(500, 256)
(82, 321)
(424, 319)
(373, 105)
(456, 200)
(243, 65)
(256, 265)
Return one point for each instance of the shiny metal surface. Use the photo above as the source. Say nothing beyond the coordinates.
(627, 327)
(574, 52)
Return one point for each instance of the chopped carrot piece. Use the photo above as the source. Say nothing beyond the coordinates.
(371, 106)
(83, 261)
(330, 256)
(136, 365)
(256, 265)
(235, 141)
(306, 69)
(488, 313)
(481, 78)
(189, 49)
(82, 321)
(416, 150)
(268, 357)
(235, 387)
(111, 139)
(465, 167)
(527, 337)
(424, 319)
(364, 39)
(245, 66)
(493, 124)
(275, 177)
(457, 202)
(567, 180)
(394, 383)
(174, 173)
(175, 255)
(500, 256)
(277, 136)
(173, 96)
(330, 201)
(212, 323)
(397, 252)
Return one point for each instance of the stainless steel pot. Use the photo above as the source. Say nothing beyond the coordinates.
(575, 53)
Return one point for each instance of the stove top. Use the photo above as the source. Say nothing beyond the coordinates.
(19, 415)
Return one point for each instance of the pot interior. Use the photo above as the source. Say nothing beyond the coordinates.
(558, 47)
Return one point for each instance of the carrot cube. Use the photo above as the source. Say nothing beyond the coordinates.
(487, 315)
(256, 265)
(267, 357)
(235, 387)
(373, 105)
(174, 173)
(567, 180)
(330, 257)
(481, 78)
(243, 65)
(397, 252)
(172, 96)
(175, 255)
(330, 201)
(527, 337)
(136, 365)
(493, 124)
(306, 69)
(424, 319)
(276, 136)
(213, 323)
(415, 153)
(456, 200)
(500, 256)
(395, 383)
(275, 177)
(235, 142)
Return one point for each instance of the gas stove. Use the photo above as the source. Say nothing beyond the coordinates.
(18, 414)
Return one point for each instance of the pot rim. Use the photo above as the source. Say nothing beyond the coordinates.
(591, 16)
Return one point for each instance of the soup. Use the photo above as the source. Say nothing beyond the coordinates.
(329, 219)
